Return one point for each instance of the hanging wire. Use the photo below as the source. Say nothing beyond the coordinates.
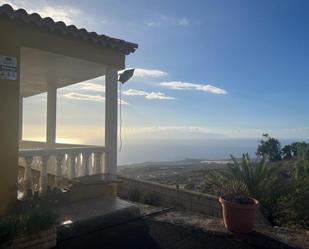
(120, 118)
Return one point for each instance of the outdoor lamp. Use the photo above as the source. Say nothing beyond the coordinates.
(126, 75)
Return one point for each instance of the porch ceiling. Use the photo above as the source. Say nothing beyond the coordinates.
(38, 68)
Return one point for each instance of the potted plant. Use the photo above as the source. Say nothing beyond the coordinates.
(240, 185)
(239, 212)
(29, 230)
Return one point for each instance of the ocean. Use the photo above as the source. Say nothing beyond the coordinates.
(174, 150)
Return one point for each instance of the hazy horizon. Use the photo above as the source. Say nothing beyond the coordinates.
(161, 150)
(175, 150)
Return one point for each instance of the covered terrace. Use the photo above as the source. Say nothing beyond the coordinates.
(39, 55)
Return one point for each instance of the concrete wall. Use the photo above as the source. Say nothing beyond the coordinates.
(172, 197)
(181, 199)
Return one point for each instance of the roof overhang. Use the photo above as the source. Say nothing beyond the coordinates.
(53, 53)
(47, 23)
(40, 68)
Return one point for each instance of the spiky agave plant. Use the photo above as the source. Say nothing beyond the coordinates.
(254, 179)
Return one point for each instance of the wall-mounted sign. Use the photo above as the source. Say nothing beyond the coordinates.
(8, 68)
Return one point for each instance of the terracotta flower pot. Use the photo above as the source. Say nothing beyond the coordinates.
(239, 218)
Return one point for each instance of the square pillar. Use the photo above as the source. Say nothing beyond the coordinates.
(51, 114)
(111, 107)
(9, 131)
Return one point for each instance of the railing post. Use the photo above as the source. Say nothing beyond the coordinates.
(58, 178)
(86, 163)
(43, 178)
(97, 163)
(72, 165)
(28, 177)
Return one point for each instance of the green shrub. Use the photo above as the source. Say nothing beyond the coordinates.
(152, 199)
(293, 208)
(134, 195)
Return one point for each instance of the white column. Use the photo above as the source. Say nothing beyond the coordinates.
(73, 164)
(21, 100)
(58, 177)
(86, 160)
(98, 163)
(44, 176)
(51, 114)
(28, 187)
(111, 106)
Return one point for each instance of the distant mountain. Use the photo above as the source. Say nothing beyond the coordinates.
(185, 162)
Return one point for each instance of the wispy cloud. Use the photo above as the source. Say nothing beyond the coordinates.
(148, 95)
(67, 14)
(133, 92)
(168, 20)
(179, 85)
(183, 22)
(89, 97)
(92, 87)
(158, 95)
(149, 73)
(150, 24)
(85, 97)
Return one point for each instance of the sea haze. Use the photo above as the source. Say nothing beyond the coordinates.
(174, 150)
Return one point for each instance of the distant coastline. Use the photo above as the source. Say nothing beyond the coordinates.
(172, 151)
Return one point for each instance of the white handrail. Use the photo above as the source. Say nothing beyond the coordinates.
(60, 151)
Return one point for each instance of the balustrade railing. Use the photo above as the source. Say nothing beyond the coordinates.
(41, 168)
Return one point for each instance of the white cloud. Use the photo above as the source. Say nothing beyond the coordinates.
(86, 97)
(89, 97)
(147, 95)
(67, 14)
(183, 22)
(178, 85)
(158, 95)
(122, 102)
(92, 87)
(168, 20)
(133, 92)
(150, 24)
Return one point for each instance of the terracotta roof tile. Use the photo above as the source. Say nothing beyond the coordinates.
(48, 23)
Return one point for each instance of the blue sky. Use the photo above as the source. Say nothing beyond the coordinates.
(206, 69)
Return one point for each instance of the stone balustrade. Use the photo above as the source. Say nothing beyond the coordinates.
(60, 164)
